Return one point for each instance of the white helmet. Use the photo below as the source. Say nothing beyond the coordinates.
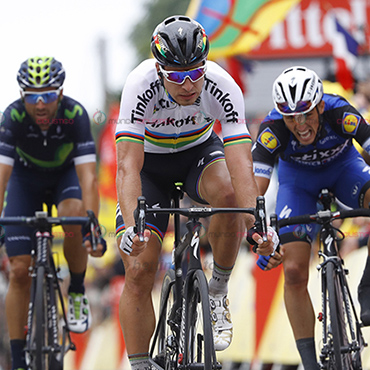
(297, 91)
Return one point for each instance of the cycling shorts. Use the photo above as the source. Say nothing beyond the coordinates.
(160, 173)
(26, 193)
(299, 187)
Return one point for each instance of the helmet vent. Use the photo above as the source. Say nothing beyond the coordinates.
(292, 90)
(304, 88)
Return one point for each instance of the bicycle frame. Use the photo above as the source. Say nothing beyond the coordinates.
(341, 329)
(43, 261)
(44, 349)
(180, 352)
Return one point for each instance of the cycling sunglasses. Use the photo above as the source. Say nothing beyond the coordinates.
(302, 107)
(178, 77)
(33, 97)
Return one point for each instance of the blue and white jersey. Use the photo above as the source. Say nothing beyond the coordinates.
(341, 123)
(67, 141)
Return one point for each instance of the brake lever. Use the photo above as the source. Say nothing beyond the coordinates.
(274, 224)
(94, 228)
(139, 215)
(261, 217)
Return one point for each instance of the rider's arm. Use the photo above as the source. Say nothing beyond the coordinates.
(263, 184)
(130, 160)
(87, 177)
(239, 162)
(5, 172)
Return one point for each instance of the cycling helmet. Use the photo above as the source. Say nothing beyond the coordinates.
(41, 72)
(179, 41)
(297, 91)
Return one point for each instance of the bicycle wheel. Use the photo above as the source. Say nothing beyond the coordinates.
(199, 347)
(340, 357)
(164, 349)
(43, 339)
(40, 322)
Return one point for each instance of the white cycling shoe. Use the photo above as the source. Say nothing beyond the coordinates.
(221, 321)
(79, 314)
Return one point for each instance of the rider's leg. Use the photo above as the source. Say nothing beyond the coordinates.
(79, 313)
(226, 230)
(136, 307)
(16, 306)
(297, 300)
(225, 234)
(74, 251)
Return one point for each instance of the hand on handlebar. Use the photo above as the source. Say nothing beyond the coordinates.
(270, 255)
(130, 243)
(94, 243)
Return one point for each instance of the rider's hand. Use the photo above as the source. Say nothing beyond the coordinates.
(269, 257)
(259, 246)
(267, 263)
(101, 247)
(130, 243)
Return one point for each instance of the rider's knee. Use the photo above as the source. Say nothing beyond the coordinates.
(295, 276)
(19, 271)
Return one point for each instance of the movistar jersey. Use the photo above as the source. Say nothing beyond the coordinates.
(148, 115)
(68, 139)
(341, 123)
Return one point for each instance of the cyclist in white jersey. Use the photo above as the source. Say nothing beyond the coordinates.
(165, 135)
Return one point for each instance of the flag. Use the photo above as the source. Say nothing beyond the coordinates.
(345, 51)
(235, 27)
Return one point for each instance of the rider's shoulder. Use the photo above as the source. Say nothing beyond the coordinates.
(333, 101)
(72, 107)
(217, 73)
(14, 112)
(145, 71)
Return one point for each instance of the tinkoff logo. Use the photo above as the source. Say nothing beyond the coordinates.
(268, 140)
(350, 123)
(99, 117)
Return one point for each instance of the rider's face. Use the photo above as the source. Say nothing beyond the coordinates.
(305, 126)
(186, 93)
(43, 113)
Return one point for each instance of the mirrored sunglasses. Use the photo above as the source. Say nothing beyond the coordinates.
(301, 107)
(178, 77)
(33, 97)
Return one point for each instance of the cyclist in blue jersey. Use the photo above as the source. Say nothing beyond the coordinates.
(164, 135)
(46, 150)
(311, 135)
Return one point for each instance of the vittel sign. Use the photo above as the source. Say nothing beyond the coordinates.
(308, 28)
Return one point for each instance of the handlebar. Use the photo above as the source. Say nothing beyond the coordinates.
(42, 221)
(322, 217)
(198, 212)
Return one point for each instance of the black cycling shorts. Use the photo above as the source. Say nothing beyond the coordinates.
(26, 193)
(160, 173)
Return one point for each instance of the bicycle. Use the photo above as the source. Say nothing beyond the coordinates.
(342, 339)
(183, 337)
(48, 336)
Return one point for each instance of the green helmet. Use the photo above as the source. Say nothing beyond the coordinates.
(41, 72)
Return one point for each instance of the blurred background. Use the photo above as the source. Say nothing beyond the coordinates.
(99, 43)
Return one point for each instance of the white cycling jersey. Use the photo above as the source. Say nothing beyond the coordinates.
(149, 115)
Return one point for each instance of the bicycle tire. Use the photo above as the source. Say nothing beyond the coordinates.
(199, 352)
(41, 320)
(164, 350)
(342, 359)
